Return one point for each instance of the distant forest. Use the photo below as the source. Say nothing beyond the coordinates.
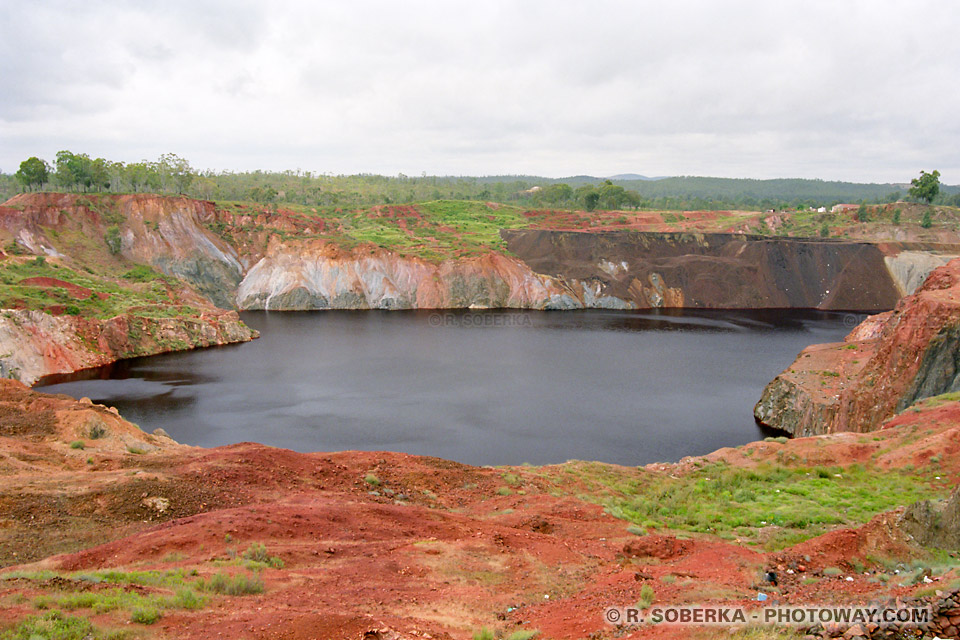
(171, 174)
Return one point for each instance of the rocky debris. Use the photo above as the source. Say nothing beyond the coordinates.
(655, 546)
(934, 523)
(883, 367)
(942, 620)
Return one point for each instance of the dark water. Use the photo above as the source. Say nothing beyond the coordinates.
(481, 388)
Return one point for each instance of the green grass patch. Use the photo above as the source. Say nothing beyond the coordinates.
(936, 401)
(173, 590)
(57, 626)
(779, 505)
(236, 585)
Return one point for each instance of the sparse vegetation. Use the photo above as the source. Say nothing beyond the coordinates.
(257, 552)
(777, 505)
(144, 615)
(53, 626)
(77, 444)
(233, 585)
(647, 596)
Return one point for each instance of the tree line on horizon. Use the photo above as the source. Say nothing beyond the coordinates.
(170, 173)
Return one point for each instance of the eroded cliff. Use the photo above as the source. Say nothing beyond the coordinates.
(885, 365)
(436, 255)
(722, 270)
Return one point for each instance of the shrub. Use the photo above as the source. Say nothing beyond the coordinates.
(927, 220)
(504, 491)
(257, 552)
(188, 599)
(51, 625)
(144, 615)
(72, 310)
(112, 237)
(77, 444)
(372, 480)
(484, 634)
(526, 634)
(140, 273)
(238, 585)
(97, 431)
(512, 479)
(896, 216)
(646, 597)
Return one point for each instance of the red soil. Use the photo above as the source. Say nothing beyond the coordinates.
(75, 290)
(427, 549)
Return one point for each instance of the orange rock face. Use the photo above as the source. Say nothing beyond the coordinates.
(886, 364)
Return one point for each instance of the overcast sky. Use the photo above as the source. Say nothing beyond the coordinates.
(864, 91)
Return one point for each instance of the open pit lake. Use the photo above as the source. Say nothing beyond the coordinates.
(486, 387)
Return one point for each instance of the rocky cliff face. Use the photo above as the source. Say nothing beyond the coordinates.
(719, 270)
(34, 344)
(281, 260)
(885, 365)
(319, 275)
(168, 233)
(99, 239)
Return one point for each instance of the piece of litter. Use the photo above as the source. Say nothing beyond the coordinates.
(761, 596)
(849, 579)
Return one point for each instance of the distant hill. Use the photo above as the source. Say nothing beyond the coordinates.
(746, 190)
(633, 176)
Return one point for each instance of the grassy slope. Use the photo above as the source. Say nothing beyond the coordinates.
(139, 290)
(774, 504)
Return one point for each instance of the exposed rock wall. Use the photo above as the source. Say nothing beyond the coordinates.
(911, 267)
(168, 233)
(318, 275)
(34, 344)
(885, 365)
(713, 270)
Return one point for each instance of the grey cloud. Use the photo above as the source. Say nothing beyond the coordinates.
(855, 90)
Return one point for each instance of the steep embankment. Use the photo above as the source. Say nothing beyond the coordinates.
(612, 270)
(716, 270)
(279, 259)
(34, 344)
(434, 255)
(76, 292)
(885, 365)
